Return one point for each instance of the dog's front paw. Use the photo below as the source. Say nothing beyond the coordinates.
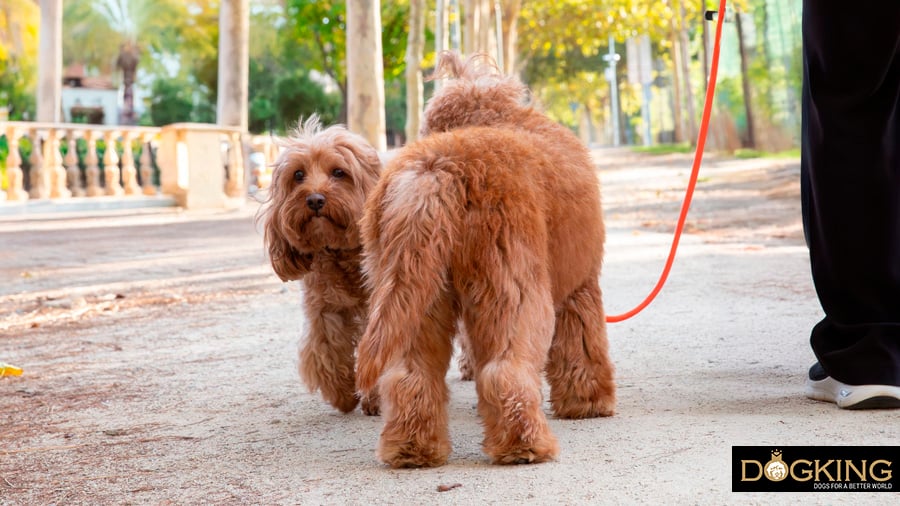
(344, 400)
(370, 403)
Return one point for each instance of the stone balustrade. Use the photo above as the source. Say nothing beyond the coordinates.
(196, 165)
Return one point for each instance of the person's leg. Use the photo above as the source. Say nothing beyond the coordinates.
(852, 191)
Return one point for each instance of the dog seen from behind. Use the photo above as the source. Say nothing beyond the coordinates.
(311, 224)
(493, 218)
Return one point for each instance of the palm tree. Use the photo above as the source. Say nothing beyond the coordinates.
(106, 35)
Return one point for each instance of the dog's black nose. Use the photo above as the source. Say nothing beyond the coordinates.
(315, 201)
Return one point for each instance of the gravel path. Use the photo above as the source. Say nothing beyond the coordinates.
(159, 353)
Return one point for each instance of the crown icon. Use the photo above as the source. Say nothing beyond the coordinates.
(776, 454)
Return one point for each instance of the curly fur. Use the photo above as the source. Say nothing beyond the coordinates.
(312, 235)
(494, 218)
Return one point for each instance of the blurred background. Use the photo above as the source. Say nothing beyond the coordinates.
(615, 71)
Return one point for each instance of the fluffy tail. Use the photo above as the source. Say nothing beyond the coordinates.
(408, 232)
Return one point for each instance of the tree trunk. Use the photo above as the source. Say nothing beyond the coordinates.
(441, 26)
(511, 10)
(676, 88)
(129, 57)
(365, 72)
(470, 18)
(686, 70)
(234, 63)
(745, 82)
(454, 21)
(49, 92)
(486, 41)
(441, 32)
(415, 47)
(705, 44)
(477, 26)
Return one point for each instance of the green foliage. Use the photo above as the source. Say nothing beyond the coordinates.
(94, 30)
(24, 152)
(19, 20)
(561, 46)
(4, 152)
(394, 34)
(274, 54)
(395, 105)
(261, 114)
(298, 96)
(664, 149)
(16, 93)
(320, 26)
(730, 98)
(563, 43)
(171, 102)
(754, 153)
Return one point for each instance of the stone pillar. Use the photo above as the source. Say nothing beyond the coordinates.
(111, 172)
(191, 165)
(49, 92)
(365, 72)
(234, 63)
(14, 175)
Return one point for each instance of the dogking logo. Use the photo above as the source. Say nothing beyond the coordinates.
(775, 469)
(815, 469)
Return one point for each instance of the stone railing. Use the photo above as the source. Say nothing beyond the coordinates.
(196, 165)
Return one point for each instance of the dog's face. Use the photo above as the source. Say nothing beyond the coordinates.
(317, 195)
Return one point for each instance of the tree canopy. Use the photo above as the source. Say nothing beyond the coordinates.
(19, 23)
(298, 56)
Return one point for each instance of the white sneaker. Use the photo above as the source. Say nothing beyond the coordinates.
(822, 387)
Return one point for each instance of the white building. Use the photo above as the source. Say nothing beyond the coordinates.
(89, 99)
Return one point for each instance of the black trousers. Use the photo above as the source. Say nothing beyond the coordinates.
(851, 184)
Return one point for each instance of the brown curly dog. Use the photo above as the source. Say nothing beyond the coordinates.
(315, 201)
(494, 218)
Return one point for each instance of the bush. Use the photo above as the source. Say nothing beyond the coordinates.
(170, 102)
(664, 149)
(298, 96)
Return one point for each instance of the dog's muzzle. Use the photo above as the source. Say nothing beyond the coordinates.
(316, 202)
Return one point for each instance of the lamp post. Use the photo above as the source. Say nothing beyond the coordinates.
(612, 59)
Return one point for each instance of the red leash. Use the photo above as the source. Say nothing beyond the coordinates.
(695, 171)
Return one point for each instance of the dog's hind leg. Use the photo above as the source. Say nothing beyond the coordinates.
(579, 369)
(407, 346)
(414, 395)
(508, 312)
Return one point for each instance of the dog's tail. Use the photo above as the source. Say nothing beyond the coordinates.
(451, 65)
(409, 233)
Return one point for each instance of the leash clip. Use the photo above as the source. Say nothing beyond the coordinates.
(713, 15)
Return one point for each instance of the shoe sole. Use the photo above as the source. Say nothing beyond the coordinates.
(854, 396)
(882, 402)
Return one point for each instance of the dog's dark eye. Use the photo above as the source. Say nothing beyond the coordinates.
(338, 173)
(299, 175)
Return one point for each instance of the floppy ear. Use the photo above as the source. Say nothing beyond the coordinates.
(288, 263)
(358, 151)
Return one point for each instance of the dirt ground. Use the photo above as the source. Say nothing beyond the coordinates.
(159, 353)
